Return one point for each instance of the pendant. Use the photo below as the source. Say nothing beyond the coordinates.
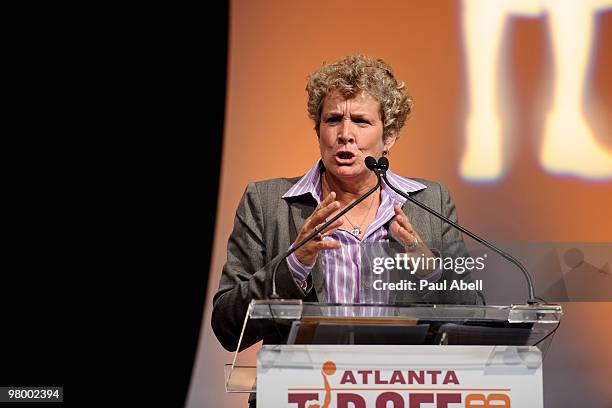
(356, 231)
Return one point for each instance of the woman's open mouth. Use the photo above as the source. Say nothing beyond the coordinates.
(345, 158)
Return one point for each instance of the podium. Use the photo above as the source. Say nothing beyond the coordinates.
(374, 355)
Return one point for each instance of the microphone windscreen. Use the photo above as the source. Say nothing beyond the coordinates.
(370, 163)
(383, 163)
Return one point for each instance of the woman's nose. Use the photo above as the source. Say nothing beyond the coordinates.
(345, 133)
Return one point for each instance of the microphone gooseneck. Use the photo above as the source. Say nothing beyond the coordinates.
(383, 166)
(371, 164)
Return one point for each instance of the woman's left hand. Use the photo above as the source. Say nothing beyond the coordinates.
(403, 230)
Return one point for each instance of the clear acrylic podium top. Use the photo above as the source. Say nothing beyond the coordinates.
(524, 324)
(296, 309)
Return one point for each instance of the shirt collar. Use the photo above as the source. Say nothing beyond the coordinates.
(310, 183)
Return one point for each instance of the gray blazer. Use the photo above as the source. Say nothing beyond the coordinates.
(266, 225)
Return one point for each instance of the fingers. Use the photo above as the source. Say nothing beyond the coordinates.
(320, 214)
(332, 228)
(402, 220)
(330, 198)
(402, 228)
(327, 244)
(307, 255)
(402, 234)
(324, 210)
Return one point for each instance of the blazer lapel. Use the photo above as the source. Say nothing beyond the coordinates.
(420, 220)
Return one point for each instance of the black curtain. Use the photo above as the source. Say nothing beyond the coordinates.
(110, 197)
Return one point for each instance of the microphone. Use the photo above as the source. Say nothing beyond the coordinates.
(371, 164)
(383, 165)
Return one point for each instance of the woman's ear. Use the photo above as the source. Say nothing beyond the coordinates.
(389, 142)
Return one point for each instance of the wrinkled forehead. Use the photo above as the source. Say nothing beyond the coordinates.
(361, 102)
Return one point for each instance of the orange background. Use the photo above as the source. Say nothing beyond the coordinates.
(274, 45)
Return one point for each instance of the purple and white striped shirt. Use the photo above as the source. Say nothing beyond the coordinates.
(342, 267)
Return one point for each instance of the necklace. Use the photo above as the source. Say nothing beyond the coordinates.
(356, 231)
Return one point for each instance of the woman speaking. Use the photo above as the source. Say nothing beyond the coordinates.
(358, 109)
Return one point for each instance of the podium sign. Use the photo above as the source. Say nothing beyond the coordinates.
(398, 376)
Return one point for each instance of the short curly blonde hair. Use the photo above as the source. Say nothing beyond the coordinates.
(354, 74)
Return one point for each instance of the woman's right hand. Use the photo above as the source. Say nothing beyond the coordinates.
(308, 253)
